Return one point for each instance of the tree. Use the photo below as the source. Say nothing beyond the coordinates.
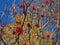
(29, 27)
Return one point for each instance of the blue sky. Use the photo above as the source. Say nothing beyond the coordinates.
(6, 4)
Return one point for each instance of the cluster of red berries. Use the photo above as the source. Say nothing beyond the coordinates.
(19, 30)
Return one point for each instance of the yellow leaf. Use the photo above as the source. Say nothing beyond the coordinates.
(16, 43)
(20, 37)
(8, 31)
(33, 28)
(28, 18)
(5, 36)
(50, 43)
(42, 41)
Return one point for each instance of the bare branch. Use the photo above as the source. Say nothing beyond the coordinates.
(2, 40)
(30, 3)
(24, 1)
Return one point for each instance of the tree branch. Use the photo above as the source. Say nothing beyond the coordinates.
(2, 40)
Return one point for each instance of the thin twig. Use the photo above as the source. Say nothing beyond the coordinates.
(2, 40)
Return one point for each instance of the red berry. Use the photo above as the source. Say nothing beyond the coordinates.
(56, 11)
(34, 7)
(52, 38)
(21, 6)
(24, 12)
(19, 30)
(43, 37)
(14, 12)
(42, 6)
(0, 21)
(59, 18)
(53, 43)
(55, 18)
(46, 1)
(14, 32)
(37, 25)
(1, 28)
(42, 15)
(48, 36)
(52, 1)
(24, 44)
(28, 24)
